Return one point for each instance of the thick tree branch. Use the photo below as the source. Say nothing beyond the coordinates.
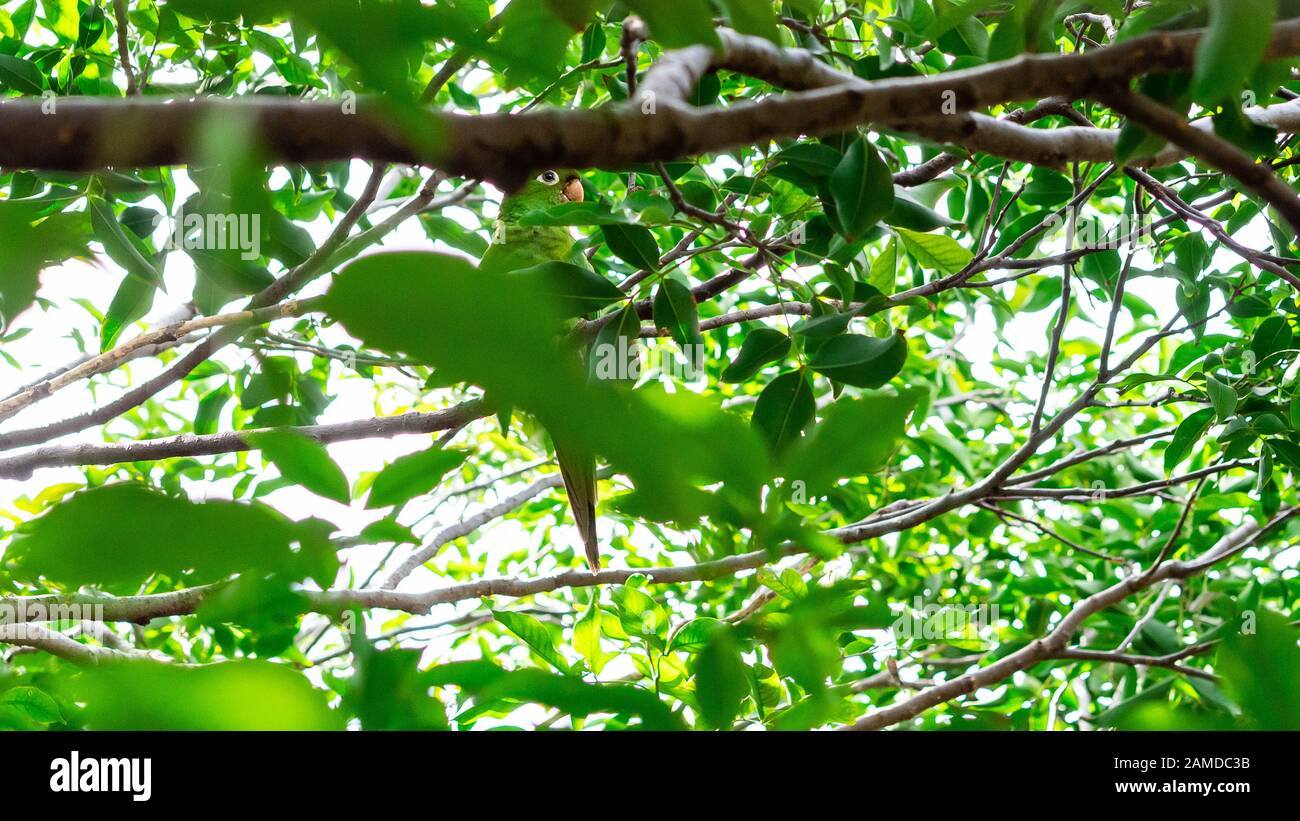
(1205, 145)
(57, 644)
(505, 148)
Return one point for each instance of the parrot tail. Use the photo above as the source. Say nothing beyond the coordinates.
(579, 475)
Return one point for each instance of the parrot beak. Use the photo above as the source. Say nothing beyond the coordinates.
(573, 189)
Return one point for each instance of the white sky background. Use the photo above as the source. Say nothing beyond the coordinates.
(49, 345)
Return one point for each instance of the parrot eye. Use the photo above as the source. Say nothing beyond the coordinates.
(548, 177)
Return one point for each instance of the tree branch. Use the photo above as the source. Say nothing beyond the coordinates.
(84, 133)
(1054, 643)
(22, 465)
(1205, 145)
(123, 48)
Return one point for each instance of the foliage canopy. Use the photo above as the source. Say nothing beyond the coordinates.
(963, 370)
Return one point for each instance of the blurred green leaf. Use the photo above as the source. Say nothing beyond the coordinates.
(232, 695)
(96, 537)
(414, 474)
(721, 678)
(303, 460)
(1238, 35)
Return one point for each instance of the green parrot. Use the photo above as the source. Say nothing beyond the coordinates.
(520, 246)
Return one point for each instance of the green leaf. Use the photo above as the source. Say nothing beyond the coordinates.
(96, 537)
(615, 353)
(678, 23)
(755, 17)
(1271, 337)
(862, 188)
(937, 251)
(1250, 306)
(1287, 450)
(1222, 396)
(533, 633)
(1171, 89)
(804, 651)
(861, 361)
(675, 311)
(62, 17)
(908, 213)
(855, 437)
(20, 75)
(132, 301)
(586, 638)
(230, 695)
(692, 636)
(1047, 188)
(34, 704)
(353, 29)
(228, 272)
(121, 247)
(304, 461)
(210, 406)
(1008, 38)
(721, 678)
(430, 306)
(1186, 435)
(389, 530)
(789, 585)
(576, 14)
(414, 474)
(816, 160)
(1238, 36)
(884, 269)
(1194, 302)
(580, 290)
(532, 43)
(593, 42)
(390, 691)
(91, 27)
(761, 346)
(784, 408)
(825, 326)
(1260, 669)
(634, 244)
(285, 240)
(568, 694)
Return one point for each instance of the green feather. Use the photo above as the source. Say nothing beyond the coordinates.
(517, 246)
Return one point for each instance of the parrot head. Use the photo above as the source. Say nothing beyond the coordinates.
(548, 188)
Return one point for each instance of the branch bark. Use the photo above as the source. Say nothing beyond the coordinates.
(84, 133)
(1202, 143)
(22, 465)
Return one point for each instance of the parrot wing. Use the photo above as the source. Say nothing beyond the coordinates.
(577, 465)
